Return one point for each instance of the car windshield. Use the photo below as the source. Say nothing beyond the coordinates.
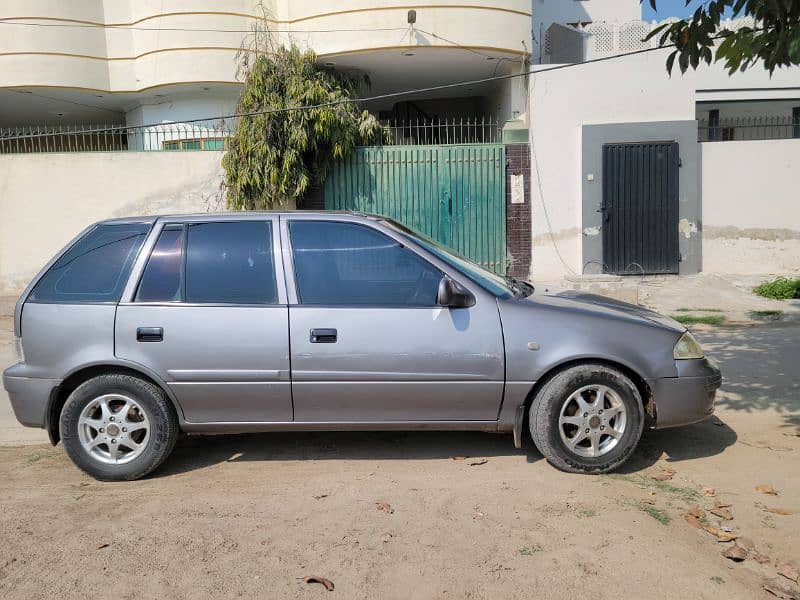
(501, 287)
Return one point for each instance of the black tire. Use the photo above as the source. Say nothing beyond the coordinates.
(157, 408)
(545, 408)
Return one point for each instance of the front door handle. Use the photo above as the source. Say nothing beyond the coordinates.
(323, 336)
(150, 334)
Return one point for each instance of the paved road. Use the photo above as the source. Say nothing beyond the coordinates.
(760, 366)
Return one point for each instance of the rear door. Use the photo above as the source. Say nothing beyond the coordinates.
(370, 343)
(209, 315)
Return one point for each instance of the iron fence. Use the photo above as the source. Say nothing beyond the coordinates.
(204, 135)
(213, 135)
(449, 130)
(749, 128)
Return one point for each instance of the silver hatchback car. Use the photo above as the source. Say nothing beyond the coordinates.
(145, 327)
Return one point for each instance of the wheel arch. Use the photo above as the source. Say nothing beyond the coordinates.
(59, 395)
(648, 402)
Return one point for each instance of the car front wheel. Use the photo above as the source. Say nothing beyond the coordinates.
(118, 427)
(587, 419)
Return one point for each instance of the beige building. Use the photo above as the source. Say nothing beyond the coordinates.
(138, 62)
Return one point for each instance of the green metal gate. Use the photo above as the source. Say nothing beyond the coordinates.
(453, 194)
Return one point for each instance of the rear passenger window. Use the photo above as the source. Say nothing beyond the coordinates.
(161, 281)
(95, 268)
(223, 263)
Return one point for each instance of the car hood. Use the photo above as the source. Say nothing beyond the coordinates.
(602, 306)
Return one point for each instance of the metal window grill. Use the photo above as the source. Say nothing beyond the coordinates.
(749, 128)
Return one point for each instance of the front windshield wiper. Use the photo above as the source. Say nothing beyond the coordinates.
(523, 288)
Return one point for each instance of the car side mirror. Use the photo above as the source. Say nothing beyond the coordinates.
(454, 295)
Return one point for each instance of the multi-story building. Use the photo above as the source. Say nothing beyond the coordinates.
(138, 62)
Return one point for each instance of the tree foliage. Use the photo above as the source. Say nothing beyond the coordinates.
(774, 41)
(275, 156)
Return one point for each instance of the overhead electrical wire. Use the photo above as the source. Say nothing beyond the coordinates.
(374, 98)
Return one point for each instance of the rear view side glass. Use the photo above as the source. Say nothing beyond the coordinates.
(161, 281)
(230, 263)
(95, 268)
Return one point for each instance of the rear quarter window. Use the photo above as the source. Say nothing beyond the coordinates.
(95, 268)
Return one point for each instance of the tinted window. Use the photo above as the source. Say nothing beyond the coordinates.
(95, 268)
(161, 281)
(230, 263)
(350, 264)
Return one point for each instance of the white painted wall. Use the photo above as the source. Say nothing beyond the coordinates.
(751, 213)
(626, 90)
(46, 199)
(547, 12)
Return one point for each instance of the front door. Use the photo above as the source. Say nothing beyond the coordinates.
(640, 208)
(210, 319)
(370, 343)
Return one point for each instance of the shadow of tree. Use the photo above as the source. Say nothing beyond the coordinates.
(760, 367)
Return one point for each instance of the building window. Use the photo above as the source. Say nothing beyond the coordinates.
(197, 144)
(796, 122)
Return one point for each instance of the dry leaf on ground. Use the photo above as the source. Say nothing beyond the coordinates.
(721, 512)
(789, 572)
(780, 511)
(317, 579)
(384, 506)
(665, 475)
(736, 553)
(321, 496)
(780, 592)
(766, 489)
(649, 501)
(722, 536)
(696, 512)
(709, 492)
(693, 521)
(101, 546)
(719, 504)
(479, 462)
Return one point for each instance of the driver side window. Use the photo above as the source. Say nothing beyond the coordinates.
(348, 264)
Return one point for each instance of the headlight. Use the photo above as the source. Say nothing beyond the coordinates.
(687, 348)
(18, 351)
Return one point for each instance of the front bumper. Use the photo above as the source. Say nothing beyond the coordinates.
(689, 397)
(29, 396)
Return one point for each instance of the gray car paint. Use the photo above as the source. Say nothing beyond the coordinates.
(431, 368)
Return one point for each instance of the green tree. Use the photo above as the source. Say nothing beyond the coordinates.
(774, 41)
(278, 154)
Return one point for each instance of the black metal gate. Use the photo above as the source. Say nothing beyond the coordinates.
(640, 208)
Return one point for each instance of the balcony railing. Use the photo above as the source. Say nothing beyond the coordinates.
(749, 128)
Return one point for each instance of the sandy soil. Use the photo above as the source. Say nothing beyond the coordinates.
(250, 516)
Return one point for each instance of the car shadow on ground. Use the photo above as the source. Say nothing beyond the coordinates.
(198, 452)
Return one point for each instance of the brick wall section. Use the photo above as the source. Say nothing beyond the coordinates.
(518, 216)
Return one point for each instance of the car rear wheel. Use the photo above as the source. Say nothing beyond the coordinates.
(118, 427)
(587, 419)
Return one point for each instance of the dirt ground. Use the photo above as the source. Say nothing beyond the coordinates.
(250, 516)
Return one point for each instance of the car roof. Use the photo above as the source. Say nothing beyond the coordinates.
(234, 215)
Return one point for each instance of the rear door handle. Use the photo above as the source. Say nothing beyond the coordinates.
(323, 336)
(150, 334)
